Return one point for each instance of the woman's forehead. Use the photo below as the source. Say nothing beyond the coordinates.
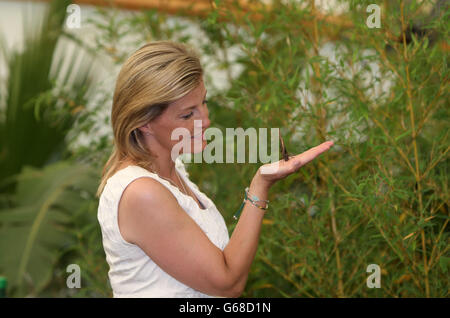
(193, 98)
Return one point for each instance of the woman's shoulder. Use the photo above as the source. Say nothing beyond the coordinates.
(129, 174)
(141, 181)
(145, 190)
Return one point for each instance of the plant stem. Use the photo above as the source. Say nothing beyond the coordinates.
(416, 155)
(337, 239)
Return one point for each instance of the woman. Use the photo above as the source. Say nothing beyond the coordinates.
(162, 236)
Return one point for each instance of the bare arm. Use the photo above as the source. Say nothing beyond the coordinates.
(241, 249)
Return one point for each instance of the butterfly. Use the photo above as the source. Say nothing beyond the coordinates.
(284, 152)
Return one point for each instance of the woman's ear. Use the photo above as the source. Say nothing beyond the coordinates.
(146, 129)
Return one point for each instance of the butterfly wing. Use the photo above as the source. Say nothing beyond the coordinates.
(284, 152)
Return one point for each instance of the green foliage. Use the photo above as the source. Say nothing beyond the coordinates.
(42, 96)
(47, 204)
(379, 196)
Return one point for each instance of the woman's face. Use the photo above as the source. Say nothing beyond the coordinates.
(181, 114)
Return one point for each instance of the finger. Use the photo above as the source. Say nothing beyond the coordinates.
(305, 157)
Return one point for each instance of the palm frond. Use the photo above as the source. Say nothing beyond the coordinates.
(46, 202)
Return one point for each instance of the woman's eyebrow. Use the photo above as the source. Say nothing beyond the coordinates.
(186, 108)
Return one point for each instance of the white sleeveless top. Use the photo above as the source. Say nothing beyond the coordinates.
(132, 273)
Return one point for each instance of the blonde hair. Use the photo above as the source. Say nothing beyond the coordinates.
(154, 76)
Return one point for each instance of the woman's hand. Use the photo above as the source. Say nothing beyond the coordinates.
(272, 172)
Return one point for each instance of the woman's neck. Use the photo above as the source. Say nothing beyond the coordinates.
(163, 166)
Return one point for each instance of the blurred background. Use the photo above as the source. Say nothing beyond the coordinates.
(374, 79)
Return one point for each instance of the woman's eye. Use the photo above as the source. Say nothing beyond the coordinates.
(188, 115)
(191, 113)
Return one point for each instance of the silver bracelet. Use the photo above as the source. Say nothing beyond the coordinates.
(253, 199)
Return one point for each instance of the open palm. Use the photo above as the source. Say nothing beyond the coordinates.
(275, 171)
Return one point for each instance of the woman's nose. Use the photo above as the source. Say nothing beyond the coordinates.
(205, 118)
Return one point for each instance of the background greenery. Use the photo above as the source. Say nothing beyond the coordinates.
(380, 196)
